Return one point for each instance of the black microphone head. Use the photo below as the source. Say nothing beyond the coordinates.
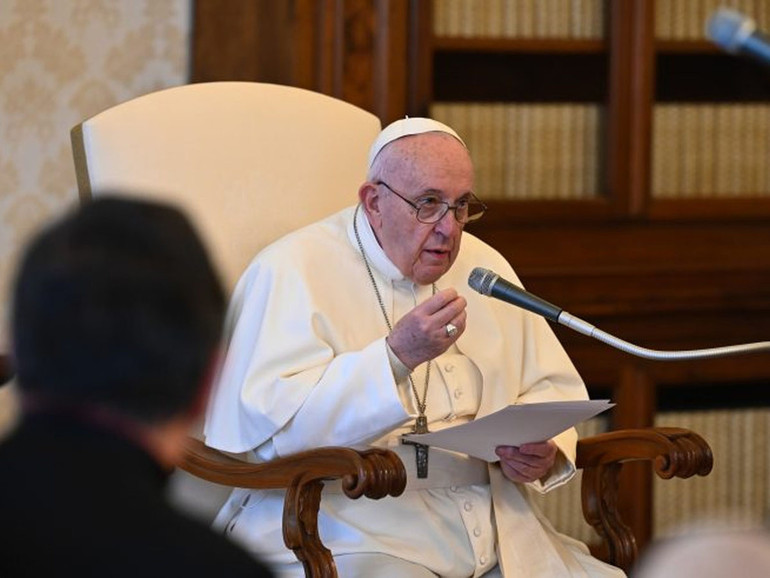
(729, 29)
(482, 280)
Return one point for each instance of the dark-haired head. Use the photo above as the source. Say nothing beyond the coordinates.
(117, 306)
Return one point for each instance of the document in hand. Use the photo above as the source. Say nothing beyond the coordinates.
(512, 426)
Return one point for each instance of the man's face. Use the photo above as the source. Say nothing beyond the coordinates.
(430, 165)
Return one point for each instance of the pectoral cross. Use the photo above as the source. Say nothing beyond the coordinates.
(420, 450)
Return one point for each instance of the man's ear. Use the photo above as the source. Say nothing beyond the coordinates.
(369, 195)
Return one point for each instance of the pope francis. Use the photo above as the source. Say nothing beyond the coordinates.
(360, 328)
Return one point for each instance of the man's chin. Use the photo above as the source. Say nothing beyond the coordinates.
(428, 275)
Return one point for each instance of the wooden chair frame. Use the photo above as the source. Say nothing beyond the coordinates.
(673, 452)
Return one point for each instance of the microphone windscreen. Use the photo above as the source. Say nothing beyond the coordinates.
(481, 280)
(728, 29)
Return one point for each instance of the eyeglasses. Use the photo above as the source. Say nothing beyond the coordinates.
(431, 209)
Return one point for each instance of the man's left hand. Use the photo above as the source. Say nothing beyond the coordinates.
(528, 462)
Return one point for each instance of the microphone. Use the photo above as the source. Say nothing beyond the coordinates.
(488, 283)
(737, 34)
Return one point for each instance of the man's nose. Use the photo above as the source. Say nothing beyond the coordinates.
(448, 224)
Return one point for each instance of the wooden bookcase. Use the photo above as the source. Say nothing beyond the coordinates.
(662, 273)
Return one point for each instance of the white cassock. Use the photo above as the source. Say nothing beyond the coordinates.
(307, 366)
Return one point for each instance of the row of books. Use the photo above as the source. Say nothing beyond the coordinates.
(736, 492)
(529, 151)
(686, 19)
(519, 18)
(573, 19)
(708, 150)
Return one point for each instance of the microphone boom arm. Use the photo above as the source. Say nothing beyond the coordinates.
(489, 283)
(577, 324)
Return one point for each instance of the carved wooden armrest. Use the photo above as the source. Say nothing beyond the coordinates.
(373, 473)
(673, 452)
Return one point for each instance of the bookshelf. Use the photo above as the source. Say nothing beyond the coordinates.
(680, 137)
(721, 104)
(640, 249)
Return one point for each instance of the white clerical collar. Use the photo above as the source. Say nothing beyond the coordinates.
(374, 253)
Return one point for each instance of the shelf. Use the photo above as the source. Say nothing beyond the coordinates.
(503, 214)
(741, 209)
(685, 47)
(519, 45)
(709, 76)
(538, 77)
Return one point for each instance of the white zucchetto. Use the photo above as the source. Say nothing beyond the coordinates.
(407, 127)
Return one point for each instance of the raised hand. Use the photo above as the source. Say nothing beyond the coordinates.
(422, 334)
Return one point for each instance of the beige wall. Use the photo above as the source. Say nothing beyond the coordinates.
(62, 61)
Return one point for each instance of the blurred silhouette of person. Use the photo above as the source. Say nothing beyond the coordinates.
(708, 554)
(116, 325)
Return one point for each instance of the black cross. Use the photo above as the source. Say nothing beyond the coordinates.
(420, 450)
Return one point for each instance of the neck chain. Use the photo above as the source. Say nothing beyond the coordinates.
(421, 423)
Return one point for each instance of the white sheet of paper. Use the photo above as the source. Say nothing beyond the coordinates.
(512, 426)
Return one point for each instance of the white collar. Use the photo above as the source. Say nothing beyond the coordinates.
(376, 256)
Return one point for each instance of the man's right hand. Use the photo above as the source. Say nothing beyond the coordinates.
(421, 334)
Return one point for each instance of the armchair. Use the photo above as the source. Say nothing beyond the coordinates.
(213, 148)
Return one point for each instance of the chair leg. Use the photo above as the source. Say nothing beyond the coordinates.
(300, 527)
(600, 509)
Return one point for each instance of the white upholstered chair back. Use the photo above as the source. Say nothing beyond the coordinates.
(248, 161)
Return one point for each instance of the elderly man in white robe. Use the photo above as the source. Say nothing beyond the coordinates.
(361, 328)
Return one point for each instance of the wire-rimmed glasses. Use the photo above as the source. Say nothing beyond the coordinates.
(431, 209)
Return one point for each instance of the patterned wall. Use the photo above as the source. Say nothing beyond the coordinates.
(62, 61)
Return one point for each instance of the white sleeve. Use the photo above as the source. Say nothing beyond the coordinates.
(282, 380)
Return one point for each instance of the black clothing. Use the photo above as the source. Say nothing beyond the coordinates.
(78, 500)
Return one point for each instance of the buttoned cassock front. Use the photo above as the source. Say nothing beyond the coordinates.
(307, 366)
